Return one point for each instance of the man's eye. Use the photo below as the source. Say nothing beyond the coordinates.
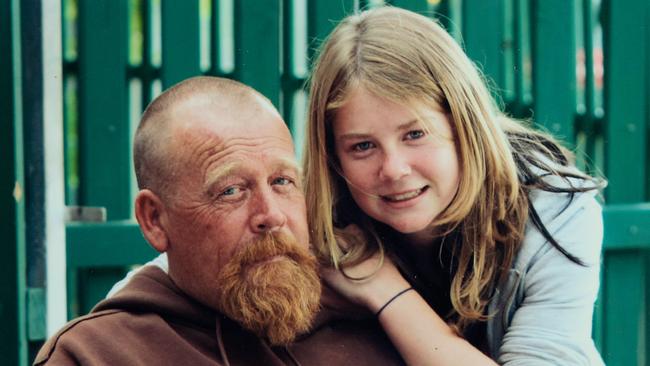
(415, 134)
(362, 146)
(230, 191)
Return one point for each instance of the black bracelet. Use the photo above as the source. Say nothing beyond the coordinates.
(392, 299)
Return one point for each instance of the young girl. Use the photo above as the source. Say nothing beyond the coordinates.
(471, 236)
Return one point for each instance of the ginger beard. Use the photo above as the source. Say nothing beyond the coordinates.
(271, 287)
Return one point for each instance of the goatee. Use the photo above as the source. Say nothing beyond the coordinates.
(271, 287)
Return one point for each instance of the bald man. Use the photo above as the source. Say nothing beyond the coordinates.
(220, 195)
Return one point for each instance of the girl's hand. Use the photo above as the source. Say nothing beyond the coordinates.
(370, 283)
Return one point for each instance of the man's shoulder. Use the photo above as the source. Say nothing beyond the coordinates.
(84, 330)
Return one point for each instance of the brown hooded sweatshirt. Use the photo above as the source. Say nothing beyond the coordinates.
(151, 322)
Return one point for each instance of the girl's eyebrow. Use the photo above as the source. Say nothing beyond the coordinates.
(356, 136)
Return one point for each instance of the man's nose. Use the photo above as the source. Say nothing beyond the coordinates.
(268, 214)
(394, 166)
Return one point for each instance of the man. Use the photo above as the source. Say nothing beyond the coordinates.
(220, 194)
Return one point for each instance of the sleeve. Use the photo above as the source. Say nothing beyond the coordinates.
(160, 261)
(552, 325)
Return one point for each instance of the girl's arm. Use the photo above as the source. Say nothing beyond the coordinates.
(418, 333)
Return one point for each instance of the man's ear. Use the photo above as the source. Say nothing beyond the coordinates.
(150, 213)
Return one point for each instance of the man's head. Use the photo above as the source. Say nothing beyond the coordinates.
(220, 192)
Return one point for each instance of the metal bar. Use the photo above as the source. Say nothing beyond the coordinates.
(626, 99)
(104, 124)
(554, 66)
(181, 48)
(13, 335)
(257, 64)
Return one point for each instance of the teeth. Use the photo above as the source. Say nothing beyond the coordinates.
(404, 196)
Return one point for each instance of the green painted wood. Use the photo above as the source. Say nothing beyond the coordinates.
(626, 99)
(449, 13)
(418, 6)
(323, 15)
(96, 282)
(36, 316)
(627, 226)
(520, 105)
(484, 38)
(13, 334)
(105, 164)
(181, 52)
(114, 243)
(257, 46)
(98, 255)
(624, 301)
(554, 66)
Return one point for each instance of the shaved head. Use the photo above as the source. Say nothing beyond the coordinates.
(154, 163)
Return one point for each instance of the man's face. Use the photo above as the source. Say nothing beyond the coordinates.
(238, 183)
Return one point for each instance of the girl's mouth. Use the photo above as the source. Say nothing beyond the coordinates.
(405, 196)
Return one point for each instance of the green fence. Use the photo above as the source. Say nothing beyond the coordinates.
(578, 67)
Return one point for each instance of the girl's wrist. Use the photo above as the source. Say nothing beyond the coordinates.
(377, 299)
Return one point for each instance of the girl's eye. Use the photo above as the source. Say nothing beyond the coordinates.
(362, 146)
(415, 134)
(281, 181)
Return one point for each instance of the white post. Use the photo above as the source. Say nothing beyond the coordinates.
(55, 244)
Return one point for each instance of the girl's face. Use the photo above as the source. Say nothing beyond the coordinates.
(401, 170)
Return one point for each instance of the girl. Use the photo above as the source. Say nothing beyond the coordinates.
(471, 236)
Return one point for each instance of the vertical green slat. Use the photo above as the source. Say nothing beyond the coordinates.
(257, 46)
(624, 302)
(104, 124)
(647, 163)
(589, 118)
(589, 130)
(289, 78)
(450, 16)
(13, 337)
(625, 99)
(554, 66)
(483, 35)
(323, 15)
(519, 22)
(508, 92)
(181, 48)
(147, 78)
(418, 6)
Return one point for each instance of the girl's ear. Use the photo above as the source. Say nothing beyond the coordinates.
(150, 213)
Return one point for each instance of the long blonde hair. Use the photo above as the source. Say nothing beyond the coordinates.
(407, 58)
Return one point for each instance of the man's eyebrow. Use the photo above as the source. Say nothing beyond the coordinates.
(289, 164)
(222, 172)
(228, 168)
